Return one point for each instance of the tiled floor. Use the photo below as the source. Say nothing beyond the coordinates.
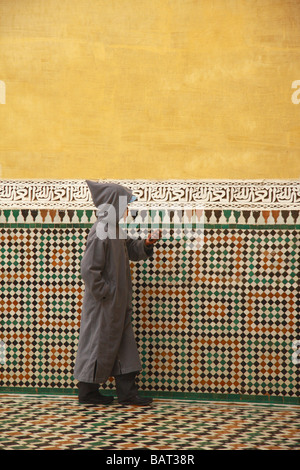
(40, 422)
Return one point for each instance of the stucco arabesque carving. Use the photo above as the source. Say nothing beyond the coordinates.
(206, 194)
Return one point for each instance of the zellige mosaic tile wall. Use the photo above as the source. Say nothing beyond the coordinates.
(223, 319)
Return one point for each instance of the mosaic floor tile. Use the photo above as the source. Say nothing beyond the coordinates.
(60, 423)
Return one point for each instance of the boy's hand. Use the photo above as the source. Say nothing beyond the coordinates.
(153, 237)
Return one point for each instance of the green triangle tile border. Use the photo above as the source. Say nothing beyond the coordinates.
(214, 397)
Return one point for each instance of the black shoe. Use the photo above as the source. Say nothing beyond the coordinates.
(95, 398)
(136, 401)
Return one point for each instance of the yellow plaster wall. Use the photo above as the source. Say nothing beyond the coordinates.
(150, 89)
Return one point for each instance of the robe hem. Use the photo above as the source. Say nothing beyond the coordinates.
(127, 370)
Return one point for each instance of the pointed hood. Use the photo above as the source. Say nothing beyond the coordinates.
(110, 194)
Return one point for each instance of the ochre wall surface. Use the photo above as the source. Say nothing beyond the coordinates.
(150, 89)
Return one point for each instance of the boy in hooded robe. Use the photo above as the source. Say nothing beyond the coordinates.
(107, 345)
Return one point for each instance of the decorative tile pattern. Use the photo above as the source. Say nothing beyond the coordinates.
(222, 319)
(226, 218)
(60, 423)
(41, 298)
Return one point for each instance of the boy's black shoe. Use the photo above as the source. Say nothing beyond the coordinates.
(95, 398)
(136, 401)
(88, 394)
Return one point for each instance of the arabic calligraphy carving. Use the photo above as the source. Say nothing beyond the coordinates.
(231, 194)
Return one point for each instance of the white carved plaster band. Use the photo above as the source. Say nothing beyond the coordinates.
(207, 194)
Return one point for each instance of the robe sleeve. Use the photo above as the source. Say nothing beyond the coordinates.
(92, 267)
(137, 250)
